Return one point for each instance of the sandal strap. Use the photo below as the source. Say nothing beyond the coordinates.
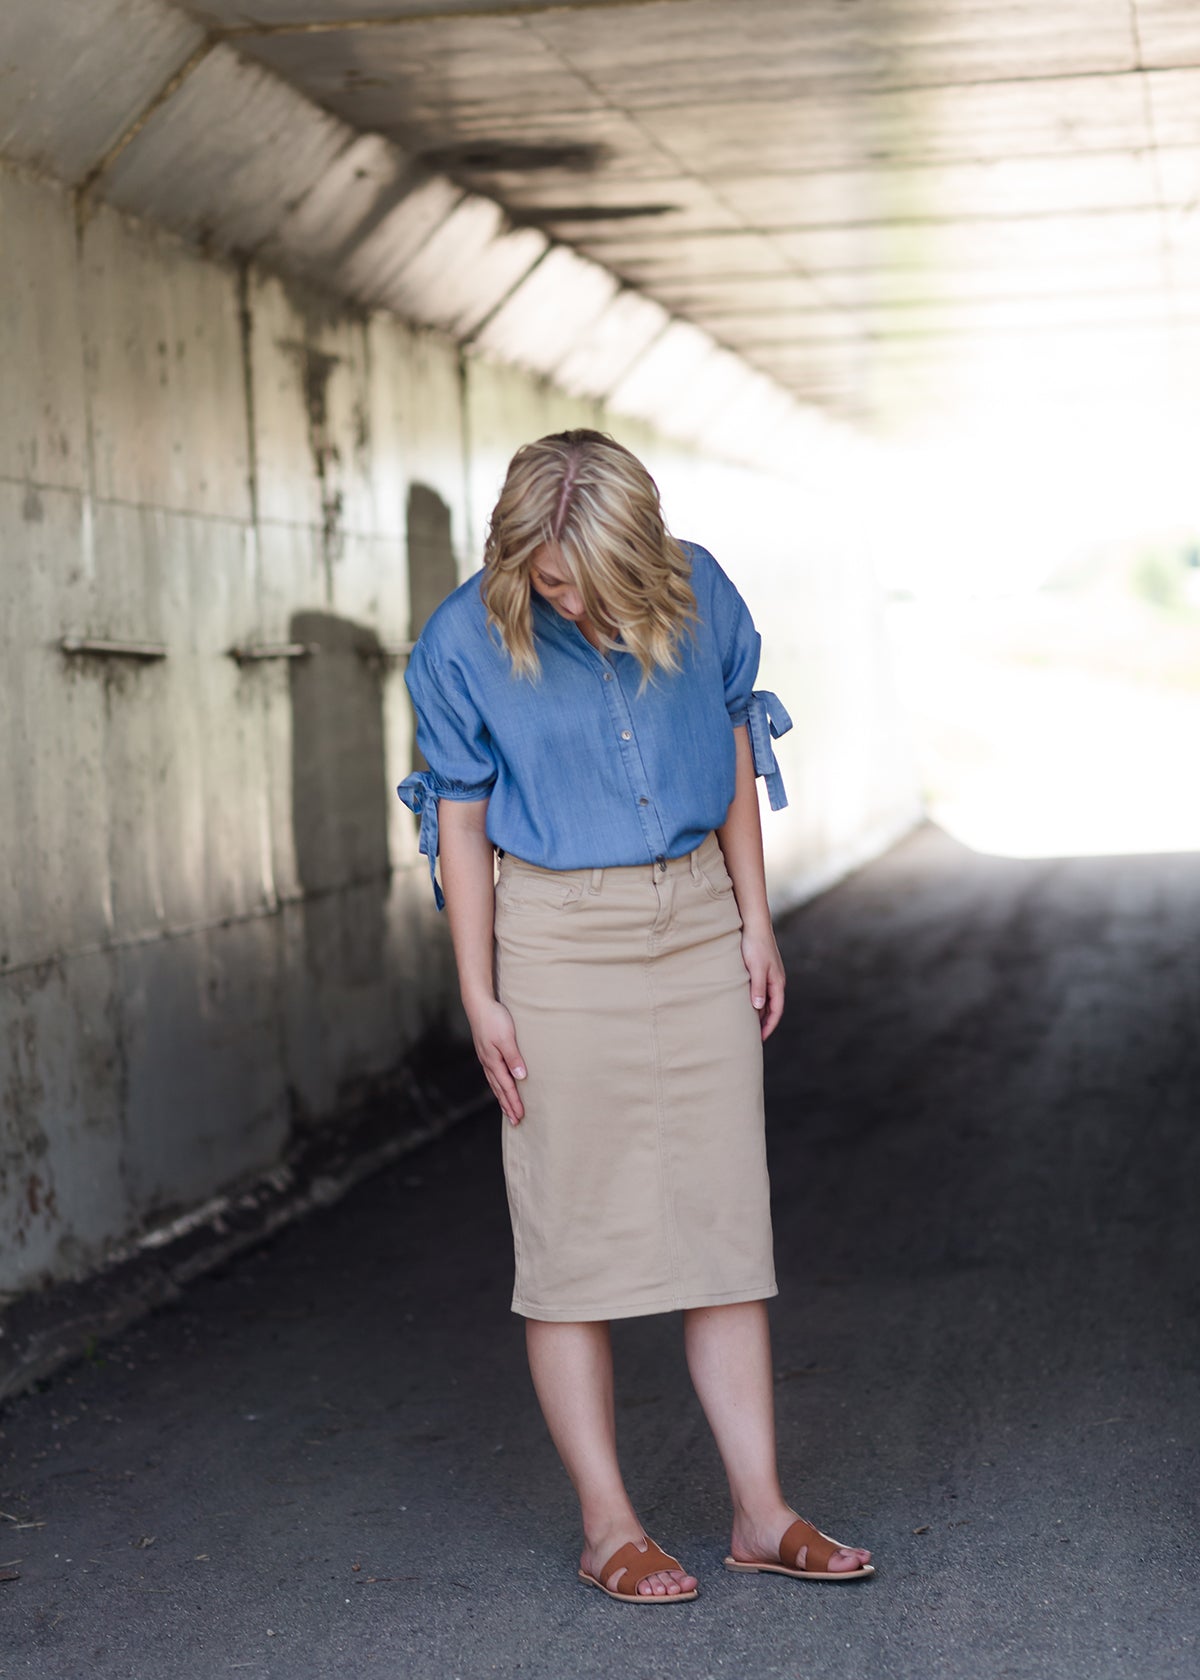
(637, 1564)
(820, 1548)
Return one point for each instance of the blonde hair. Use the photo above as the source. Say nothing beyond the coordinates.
(586, 495)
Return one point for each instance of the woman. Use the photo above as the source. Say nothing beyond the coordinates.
(586, 707)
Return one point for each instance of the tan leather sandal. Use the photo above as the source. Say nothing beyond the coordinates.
(637, 1564)
(816, 1562)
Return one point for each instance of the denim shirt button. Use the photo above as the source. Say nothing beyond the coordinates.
(643, 800)
(626, 735)
(608, 676)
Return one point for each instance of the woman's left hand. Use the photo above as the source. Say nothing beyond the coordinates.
(764, 965)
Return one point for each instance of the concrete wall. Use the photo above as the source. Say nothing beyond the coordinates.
(215, 931)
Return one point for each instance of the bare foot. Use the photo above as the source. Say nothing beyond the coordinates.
(665, 1583)
(756, 1540)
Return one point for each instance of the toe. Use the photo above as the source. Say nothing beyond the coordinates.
(667, 1584)
(848, 1557)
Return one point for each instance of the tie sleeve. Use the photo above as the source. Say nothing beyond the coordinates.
(767, 718)
(456, 744)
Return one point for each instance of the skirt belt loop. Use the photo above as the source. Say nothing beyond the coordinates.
(597, 878)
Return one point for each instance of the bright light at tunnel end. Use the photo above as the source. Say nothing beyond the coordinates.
(1044, 608)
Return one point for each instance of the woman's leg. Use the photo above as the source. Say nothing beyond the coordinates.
(729, 1357)
(572, 1370)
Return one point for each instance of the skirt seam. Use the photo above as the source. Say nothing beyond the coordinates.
(513, 1158)
(516, 1156)
(664, 1177)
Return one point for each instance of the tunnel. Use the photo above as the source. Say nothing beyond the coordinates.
(900, 304)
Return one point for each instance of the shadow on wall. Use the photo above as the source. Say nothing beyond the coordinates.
(339, 798)
(432, 573)
(340, 782)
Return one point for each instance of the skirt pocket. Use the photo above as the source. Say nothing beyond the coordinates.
(518, 890)
(714, 877)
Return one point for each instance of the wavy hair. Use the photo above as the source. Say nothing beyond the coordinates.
(586, 495)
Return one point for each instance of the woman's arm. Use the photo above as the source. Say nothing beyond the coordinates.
(741, 842)
(467, 861)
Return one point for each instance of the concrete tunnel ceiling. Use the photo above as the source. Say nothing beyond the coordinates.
(887, 209)
(878, 205)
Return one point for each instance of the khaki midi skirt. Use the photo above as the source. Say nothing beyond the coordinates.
(637, 1181)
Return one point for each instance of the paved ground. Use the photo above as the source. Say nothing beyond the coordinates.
(326, 1460)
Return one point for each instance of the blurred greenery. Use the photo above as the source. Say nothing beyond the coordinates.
(1164, 575)
(1159, 576)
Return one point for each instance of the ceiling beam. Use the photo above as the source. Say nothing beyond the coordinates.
(517, 9)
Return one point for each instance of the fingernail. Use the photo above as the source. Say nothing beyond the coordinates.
(758, 1002)
(518, 1073)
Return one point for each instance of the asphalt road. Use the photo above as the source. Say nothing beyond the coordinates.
(326, 1459)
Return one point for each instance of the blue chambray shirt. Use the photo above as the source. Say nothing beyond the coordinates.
(579, 768)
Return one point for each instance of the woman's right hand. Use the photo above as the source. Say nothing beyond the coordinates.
(468, 865)
(496, 1046)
